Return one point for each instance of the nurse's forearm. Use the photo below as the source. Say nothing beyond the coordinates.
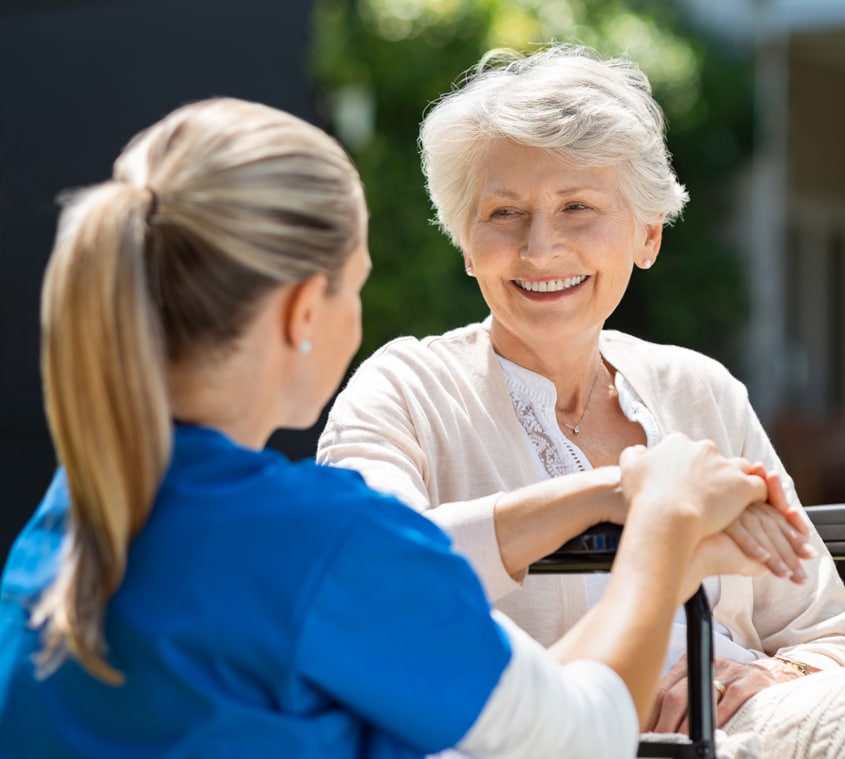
(629, 629)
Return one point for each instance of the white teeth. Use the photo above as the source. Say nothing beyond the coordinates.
(551, 285)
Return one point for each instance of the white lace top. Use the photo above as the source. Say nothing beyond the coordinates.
(534, 399)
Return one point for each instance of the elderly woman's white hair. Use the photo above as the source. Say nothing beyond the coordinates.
(598, 112)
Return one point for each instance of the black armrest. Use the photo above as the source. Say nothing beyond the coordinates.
(591, 551)
(829, 520)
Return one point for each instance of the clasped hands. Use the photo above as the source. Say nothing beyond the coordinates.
(748, 525)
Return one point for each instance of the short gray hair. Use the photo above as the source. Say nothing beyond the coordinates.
(595, 111)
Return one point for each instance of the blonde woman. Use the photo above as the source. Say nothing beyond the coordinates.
(183, 592)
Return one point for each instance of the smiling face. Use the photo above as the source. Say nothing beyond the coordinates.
(552, 245)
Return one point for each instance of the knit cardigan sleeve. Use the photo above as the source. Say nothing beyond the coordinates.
(804, 622)
(415, 421)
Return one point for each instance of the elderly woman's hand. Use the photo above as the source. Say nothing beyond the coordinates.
(737, 682)
(775, 532)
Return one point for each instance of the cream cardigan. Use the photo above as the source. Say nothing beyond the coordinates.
(431, 422)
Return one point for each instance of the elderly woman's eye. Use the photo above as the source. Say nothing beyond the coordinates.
(576, 207)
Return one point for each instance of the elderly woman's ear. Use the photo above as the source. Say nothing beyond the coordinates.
(651, 245)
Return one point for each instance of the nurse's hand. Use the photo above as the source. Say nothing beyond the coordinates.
(717, 555)
(686, 479)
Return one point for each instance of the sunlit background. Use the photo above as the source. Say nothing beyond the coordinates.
(753, 90)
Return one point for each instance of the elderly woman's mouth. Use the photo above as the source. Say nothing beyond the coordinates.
(550, 285)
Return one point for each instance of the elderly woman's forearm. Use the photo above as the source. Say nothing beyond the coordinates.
(535, 520)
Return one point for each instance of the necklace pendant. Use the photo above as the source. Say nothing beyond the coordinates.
(577, 429)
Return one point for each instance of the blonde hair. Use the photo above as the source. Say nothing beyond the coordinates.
(208, 209)
(598, 112)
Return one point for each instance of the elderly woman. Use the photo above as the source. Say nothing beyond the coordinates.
(551, 174)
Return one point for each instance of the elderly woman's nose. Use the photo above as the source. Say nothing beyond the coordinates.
(542, 238)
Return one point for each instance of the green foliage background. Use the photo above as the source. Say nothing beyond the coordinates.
(400, 55)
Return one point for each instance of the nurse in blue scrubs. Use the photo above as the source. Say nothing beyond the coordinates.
(183, 592)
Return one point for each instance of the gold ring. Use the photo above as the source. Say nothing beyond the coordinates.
(720, 689)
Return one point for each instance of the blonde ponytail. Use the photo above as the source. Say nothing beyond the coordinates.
(105, 393)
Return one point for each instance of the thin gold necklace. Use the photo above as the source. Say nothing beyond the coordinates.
(576, 428)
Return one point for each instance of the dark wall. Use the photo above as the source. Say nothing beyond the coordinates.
(78, 80)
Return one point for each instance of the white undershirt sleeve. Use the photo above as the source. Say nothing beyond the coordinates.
(541, 709)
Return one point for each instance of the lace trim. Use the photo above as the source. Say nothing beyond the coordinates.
(544, 446)
(532, 396)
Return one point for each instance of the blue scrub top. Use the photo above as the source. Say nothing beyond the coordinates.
(269, 608)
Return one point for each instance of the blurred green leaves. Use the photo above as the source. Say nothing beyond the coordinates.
(377, 64)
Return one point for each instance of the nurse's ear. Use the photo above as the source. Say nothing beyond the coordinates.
(300, 312)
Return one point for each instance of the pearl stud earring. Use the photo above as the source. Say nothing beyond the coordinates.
(647, 263)
(304, 347)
